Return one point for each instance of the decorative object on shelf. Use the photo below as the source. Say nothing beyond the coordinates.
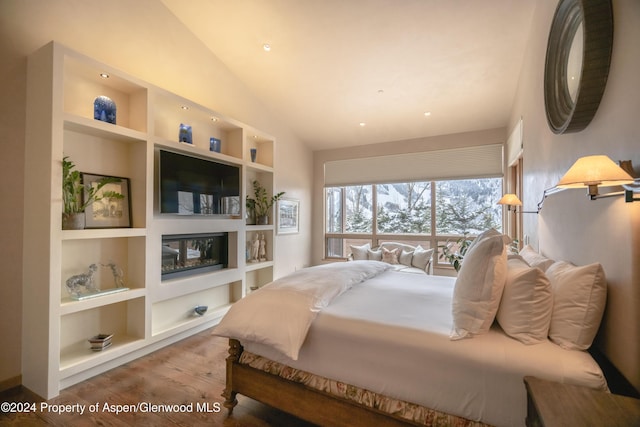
(262, 252)
(82, 286)
(100, 342)
(230, 205)
(454, 252)
(185, 134)
(288, 216)
(104, 109)
(76, 198)
(254, 154)
(200, 310)
(110, 207)
(255, 248)
(261, 204)
(83, 283)
(577, 63)
(215, 144)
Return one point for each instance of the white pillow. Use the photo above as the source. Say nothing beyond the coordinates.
(579, 298)
(390, 256)
(360, 253)
(492, 232)
(478, 288)
(534, 259)
(421, 257)
(405, 258)
(374, 255)
(525, 308)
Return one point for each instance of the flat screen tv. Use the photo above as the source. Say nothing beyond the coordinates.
(195, 186)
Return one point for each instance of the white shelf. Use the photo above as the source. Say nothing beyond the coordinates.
(80, 356)
(102, 129)
(188, 323)
(103, 233)
(69, 306)
(252, 266)
(185, 148)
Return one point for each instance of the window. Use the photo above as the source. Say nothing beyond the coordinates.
(468, 206)
(425, 213)
(404, 208)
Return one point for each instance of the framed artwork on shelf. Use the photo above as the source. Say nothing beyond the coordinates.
(112, 205)
(288, 216)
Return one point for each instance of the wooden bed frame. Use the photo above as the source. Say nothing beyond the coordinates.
(297, 399)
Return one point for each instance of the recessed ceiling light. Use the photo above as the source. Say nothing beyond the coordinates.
(214, 119)
(266, 47)
(184, 107)
(427, 114)
(362, 124)
(104, 75)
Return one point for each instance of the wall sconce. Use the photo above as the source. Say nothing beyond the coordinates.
(596, 171)
(511, 199)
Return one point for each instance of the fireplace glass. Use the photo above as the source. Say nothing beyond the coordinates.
(187, 254)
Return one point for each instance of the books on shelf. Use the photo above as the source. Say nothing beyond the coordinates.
(100, 342)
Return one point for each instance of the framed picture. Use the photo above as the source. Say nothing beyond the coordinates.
(112, 209)
(288, 216)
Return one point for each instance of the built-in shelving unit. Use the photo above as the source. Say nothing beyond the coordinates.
(152, 312)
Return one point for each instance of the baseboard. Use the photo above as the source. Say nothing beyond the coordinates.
(10, 383)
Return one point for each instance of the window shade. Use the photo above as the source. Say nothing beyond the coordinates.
(481, 161)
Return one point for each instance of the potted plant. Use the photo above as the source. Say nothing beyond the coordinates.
(454, 252)
(76, 196)
(261, 203)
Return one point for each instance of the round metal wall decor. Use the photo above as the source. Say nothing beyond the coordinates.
(577, 63)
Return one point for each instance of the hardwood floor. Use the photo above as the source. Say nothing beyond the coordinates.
(189, 373)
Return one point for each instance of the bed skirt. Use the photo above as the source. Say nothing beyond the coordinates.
(412, 413)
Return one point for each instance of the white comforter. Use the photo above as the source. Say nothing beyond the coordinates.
(390, 334)
(279, 314)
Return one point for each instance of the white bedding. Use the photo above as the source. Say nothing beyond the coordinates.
(390, 335)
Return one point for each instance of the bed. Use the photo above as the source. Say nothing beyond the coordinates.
(360, 344)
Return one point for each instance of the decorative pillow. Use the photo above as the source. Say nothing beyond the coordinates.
(479, 286)
(525, 308)
(405, 258)
(534, 259)
(390, 256)
(421, 257)
(579, 298)
(360, 253)
(374, 255)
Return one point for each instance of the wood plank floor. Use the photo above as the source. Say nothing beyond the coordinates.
(190, 372)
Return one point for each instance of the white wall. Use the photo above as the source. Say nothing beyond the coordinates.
(570, 226)
(142, 39)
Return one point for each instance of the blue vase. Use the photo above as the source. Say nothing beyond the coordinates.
(184, 134)
(104, 109)
(214, 144)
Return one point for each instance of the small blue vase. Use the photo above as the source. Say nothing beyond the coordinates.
(104, 109)
(214, 144)
(184, 135)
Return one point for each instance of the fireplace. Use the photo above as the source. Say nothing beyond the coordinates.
(187, 254)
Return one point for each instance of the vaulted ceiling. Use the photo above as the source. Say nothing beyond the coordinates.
(350, 72)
